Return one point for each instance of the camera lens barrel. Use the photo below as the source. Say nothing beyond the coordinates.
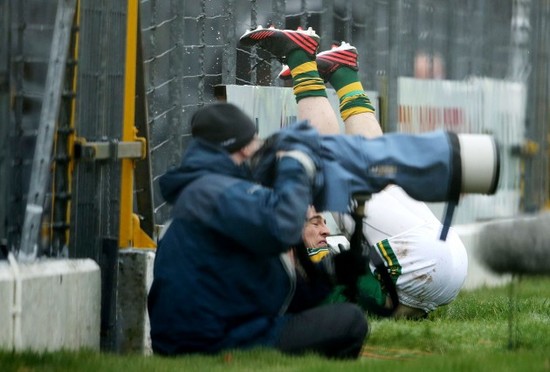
(480, 162)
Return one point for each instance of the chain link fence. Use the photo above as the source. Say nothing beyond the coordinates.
(191, 49)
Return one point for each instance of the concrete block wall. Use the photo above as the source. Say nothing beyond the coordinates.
(50, 305)
(7, 306)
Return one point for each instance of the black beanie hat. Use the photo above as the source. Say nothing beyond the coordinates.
(224, 125)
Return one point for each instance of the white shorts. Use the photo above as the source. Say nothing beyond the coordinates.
(406, 233)
(431, 272)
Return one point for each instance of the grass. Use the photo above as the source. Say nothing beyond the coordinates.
(489, 329)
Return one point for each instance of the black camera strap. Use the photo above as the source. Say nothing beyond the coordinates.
(449, 211)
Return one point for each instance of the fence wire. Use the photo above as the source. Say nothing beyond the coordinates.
(193, 47)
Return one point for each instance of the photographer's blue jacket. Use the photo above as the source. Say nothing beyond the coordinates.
(221, 275)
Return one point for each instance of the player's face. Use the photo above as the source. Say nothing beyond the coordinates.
(315, 230)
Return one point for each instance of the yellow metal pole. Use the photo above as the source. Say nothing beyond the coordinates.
(130, 234)
(71, 138)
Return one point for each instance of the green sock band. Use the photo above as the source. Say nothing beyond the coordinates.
(353, 99)
(342, 77)
(308, 83)
(357, 101)
(297, 57)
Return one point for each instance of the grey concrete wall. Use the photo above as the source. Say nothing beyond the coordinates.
(6, 307)
(50, 305)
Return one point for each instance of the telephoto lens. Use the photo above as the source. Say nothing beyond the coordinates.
(480, 163)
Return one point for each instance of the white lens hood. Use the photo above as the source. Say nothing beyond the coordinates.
(480, 163)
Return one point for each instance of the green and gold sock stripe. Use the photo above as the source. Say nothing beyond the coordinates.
(308, 86)
(355, 105)
(353, 100)
(305, 76)
(304, 68)
(351, 94)
(304, 84)
(389, 256)
(360, 100)
(348, 89)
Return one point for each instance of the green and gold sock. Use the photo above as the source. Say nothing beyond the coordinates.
(351, 94)
(305, 77)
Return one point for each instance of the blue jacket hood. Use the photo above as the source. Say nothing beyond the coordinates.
(199, 159)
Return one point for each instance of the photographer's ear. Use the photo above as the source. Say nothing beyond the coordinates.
(250, 149)
(245, 153)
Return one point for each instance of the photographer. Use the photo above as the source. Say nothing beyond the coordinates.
(223, 277)
(223, 273)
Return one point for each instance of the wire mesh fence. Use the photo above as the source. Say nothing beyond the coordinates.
(192, 48)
